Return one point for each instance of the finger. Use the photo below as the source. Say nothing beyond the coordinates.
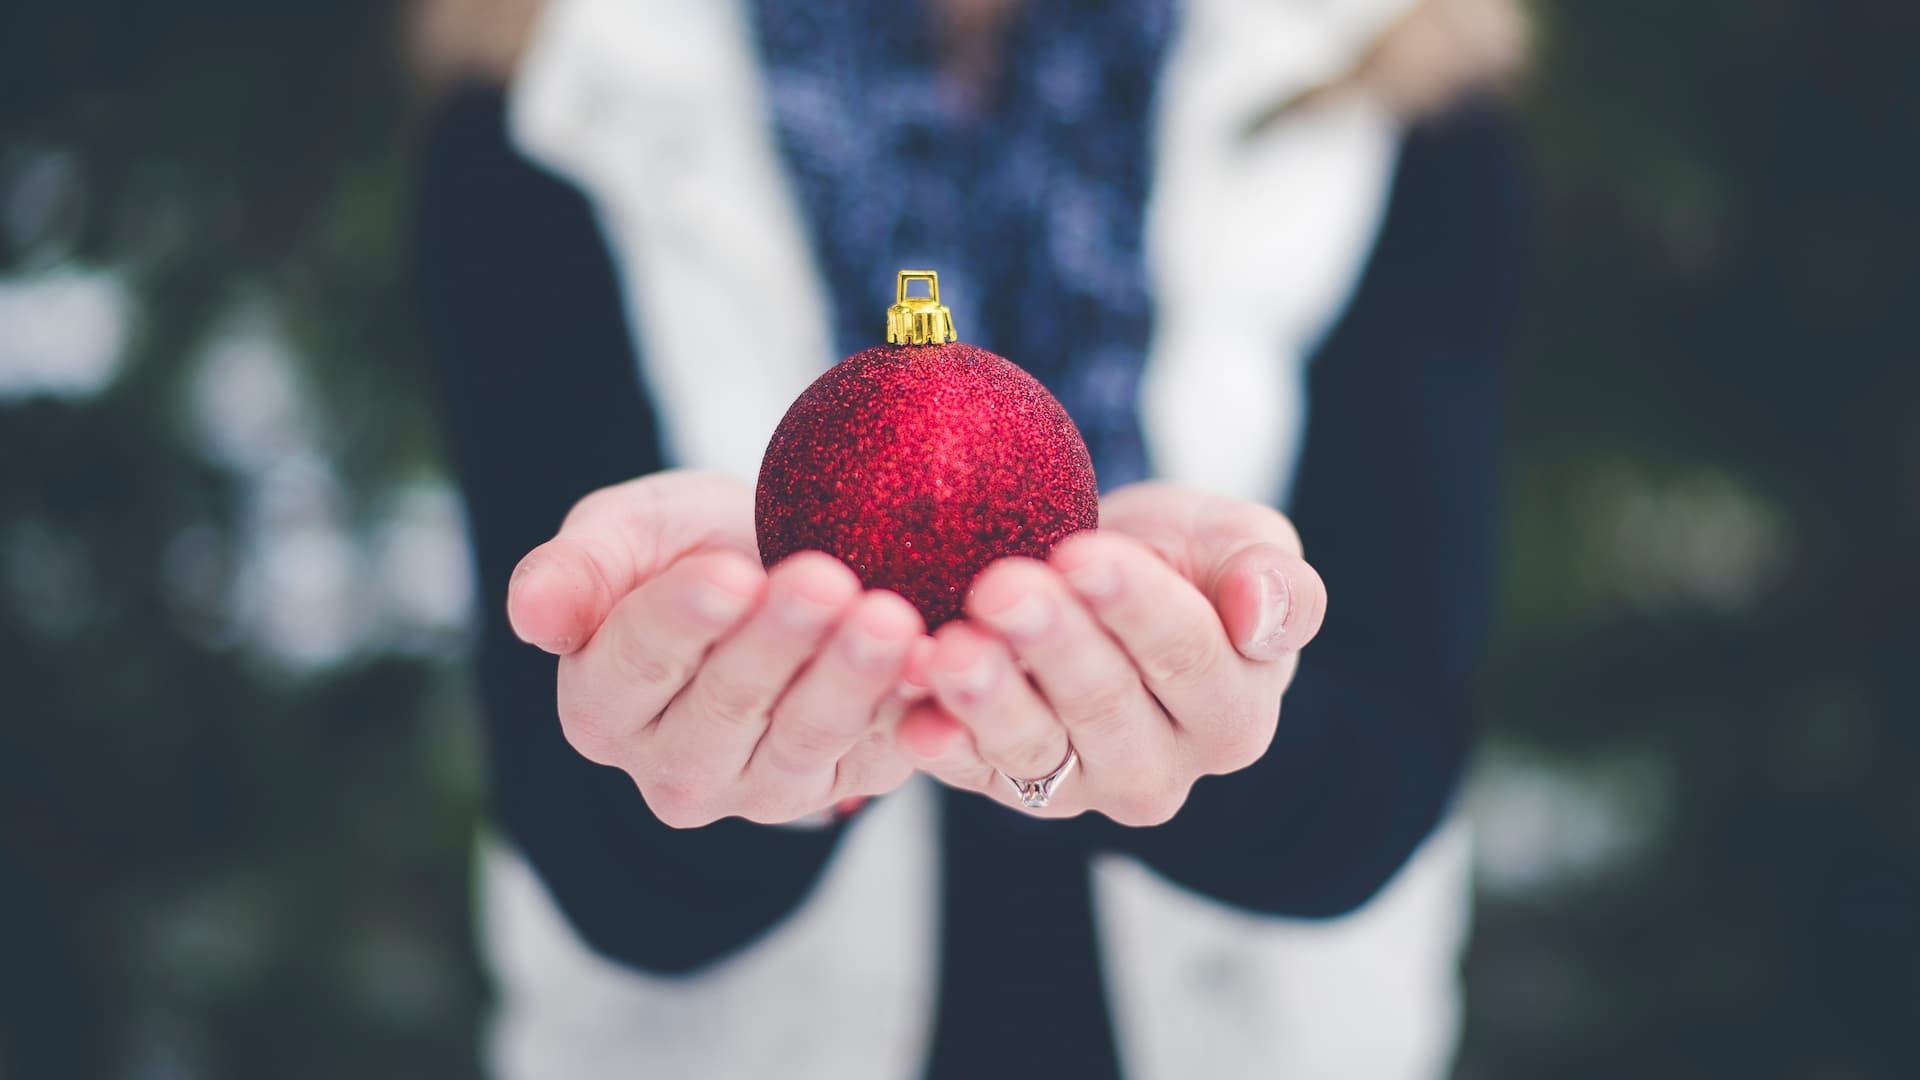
(831, 705)
(612, 541)
(1164, 624)
(874, 766)
(928, 733)
(1194, 531)
(723, 713)
(559, 594)
(1270, 601)
(1091, 684)
(1246, 558)
(944, 749)
(916, 680)
(1225, 707)
(648, 649)
(975, 680)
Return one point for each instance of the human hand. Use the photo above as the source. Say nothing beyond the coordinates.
(721, 689)
(1157, 647)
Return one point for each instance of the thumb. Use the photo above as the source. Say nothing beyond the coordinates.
(560, 594)
(612, 542)
(1270, 601)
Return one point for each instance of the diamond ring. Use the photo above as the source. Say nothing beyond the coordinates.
(1036, 794)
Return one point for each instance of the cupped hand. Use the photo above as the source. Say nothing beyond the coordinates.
(721, 689)
(1157, 647)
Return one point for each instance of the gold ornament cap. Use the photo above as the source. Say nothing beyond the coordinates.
(919, 320)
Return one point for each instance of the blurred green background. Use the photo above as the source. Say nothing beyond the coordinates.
(238, 780)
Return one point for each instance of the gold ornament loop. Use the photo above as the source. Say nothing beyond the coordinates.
(919, 320)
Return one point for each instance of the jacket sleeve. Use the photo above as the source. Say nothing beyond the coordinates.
(1396, 503)
(542, 404)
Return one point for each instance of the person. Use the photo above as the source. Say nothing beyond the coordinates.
(759, 823)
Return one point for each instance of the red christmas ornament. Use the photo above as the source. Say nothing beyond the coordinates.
(919, 462)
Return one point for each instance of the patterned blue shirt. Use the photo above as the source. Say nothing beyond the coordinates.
(1031, 205)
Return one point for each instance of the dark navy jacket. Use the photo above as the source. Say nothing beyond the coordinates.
(1394, 497)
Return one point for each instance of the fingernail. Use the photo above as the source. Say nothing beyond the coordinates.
(1096, 580)
(1026, 617)
(518, 579)
(516, 582)
(718, 604)
(971, 683)
(1276, 606)
(797, 611)
(866, 650)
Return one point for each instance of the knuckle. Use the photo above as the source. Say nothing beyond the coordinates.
(1105, 709)
(594, 732)
(810, 738)
(1255, 739)
(869, 774)
(778, 803)
(852, 777)
(1169, 804)
(648, 666)
(1240, 738)
(587, 741)
(854, 773)
(677, 804)
(674, 818)
(1148, 808)
(1037, 753)
(768, 809)
(978, 776)
(967, 776)
(1181, 659)
(1137, 781)
(730, 695)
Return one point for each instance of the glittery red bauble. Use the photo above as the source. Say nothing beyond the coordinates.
(917, 465)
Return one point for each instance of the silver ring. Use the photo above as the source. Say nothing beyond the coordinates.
(1036, 794)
